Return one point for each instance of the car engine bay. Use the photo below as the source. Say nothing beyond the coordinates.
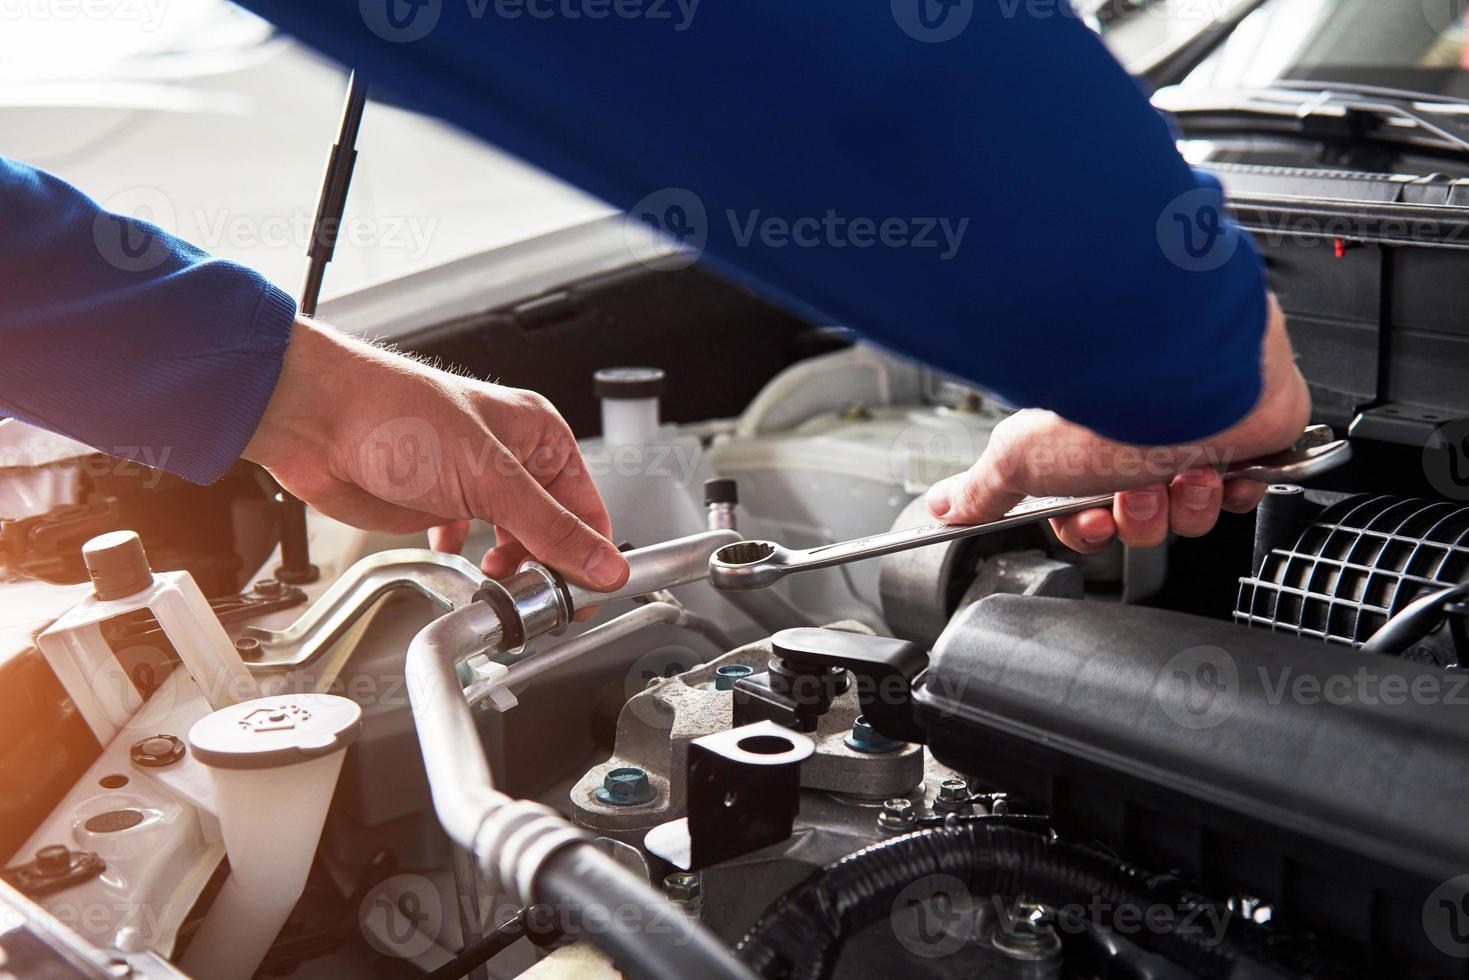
(1235, 756)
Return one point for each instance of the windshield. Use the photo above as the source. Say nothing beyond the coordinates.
(1417, 45)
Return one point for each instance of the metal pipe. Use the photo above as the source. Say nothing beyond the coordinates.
(448, 580)
(660, 566)
(498, 684)
(515, 841)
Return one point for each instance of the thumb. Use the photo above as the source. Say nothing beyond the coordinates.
(974, 497)
(561, 540)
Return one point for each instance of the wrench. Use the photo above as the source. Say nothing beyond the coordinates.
(748, 565)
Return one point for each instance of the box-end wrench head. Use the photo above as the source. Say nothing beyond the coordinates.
(749, 565)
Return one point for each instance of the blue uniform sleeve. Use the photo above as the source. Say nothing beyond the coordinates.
(127, 339)
(975, 183)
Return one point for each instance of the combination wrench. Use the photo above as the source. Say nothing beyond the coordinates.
(748, 565)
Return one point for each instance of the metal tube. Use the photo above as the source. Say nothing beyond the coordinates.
(514, 842)
(520, 674)
(661, 566)
(449, 580)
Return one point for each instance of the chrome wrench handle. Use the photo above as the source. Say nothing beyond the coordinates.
(760, 564)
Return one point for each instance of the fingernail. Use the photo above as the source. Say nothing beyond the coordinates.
(1096, 542)
(940, 498)
(1196, 497)
(605, 569)
(1142, 506)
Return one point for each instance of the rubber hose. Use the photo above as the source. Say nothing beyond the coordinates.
(646, 938)
(800, 936)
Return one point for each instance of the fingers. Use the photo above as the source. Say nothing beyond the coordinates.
(560, 539)
(448, 538)
(973, 497)
(1243, 496)
(505, 557)
(1087, 532)
(1194, 499)
(1142, 516)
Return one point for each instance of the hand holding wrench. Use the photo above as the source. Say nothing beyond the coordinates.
(760, 564)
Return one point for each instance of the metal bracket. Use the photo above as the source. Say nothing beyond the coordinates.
(744, 789)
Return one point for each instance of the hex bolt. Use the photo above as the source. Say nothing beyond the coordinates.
(897, 816)
(626, 786)
(1026, 933)
(725, 677)
(269, 587)
(953, 797)
(685, 891)
(864, 738)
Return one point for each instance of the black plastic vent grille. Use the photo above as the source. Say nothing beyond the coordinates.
(1362, 561)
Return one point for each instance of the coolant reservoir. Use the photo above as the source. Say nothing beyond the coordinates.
(648, 475)
(273, 763)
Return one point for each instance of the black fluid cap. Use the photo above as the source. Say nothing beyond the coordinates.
(721, 492)
(118, 565)
(629, 383)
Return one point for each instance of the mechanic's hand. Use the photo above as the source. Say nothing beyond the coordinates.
(383, 442)
(1173, 488)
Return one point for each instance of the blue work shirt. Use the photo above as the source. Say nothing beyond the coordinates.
(974, 183)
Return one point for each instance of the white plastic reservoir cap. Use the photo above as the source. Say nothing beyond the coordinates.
(278, 731)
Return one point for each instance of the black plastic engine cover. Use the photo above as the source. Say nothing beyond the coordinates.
(1328, 783)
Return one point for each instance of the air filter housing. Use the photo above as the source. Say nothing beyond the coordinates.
(1361, 561)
